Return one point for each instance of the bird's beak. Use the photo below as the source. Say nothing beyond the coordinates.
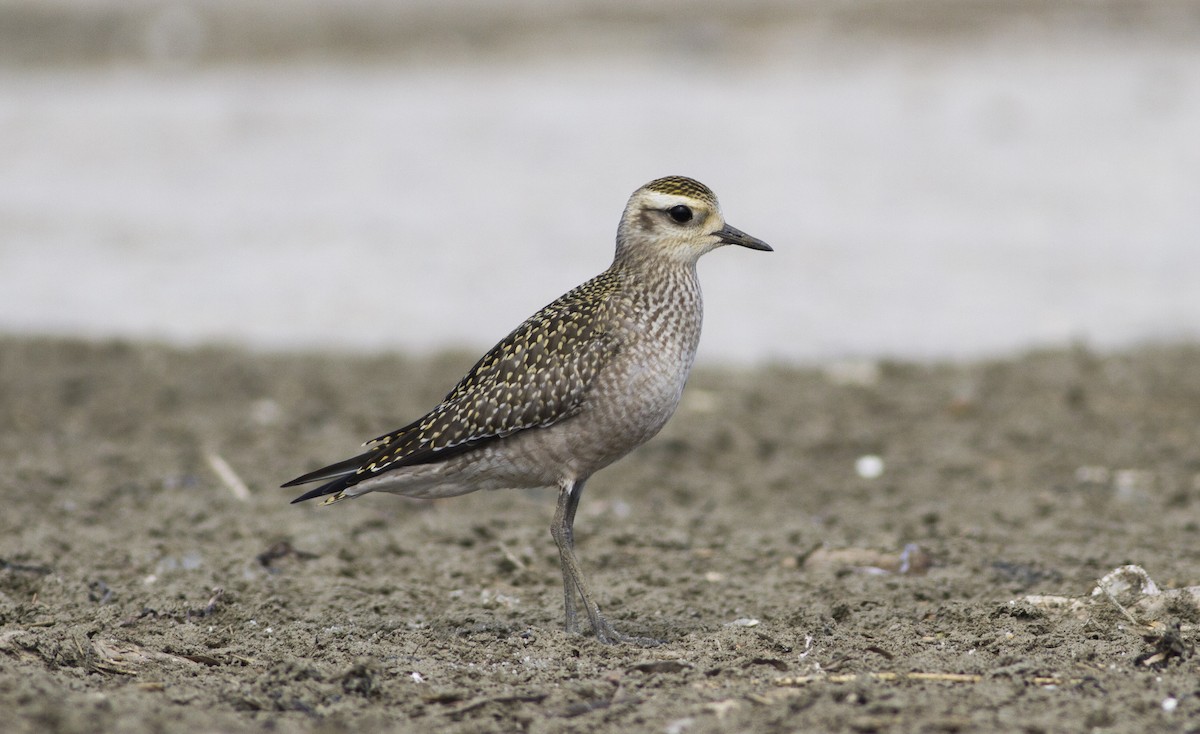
(734, 236)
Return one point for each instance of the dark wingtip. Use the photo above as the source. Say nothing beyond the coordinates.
(340, 469)
(336, 485)
(334, 478)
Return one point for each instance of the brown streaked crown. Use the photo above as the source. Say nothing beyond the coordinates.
(682, 186)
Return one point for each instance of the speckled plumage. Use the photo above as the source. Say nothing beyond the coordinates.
(575, 387)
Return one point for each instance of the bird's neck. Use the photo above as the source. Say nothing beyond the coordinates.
(659, 274)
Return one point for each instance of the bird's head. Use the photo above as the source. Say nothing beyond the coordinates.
(676, 218)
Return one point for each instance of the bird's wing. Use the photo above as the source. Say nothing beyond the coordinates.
(536, 376)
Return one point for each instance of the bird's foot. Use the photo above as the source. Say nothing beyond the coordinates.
(606, 634)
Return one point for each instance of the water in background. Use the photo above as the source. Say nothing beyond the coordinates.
(1008, 181)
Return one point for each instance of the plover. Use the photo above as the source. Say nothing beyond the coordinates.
(575, 387)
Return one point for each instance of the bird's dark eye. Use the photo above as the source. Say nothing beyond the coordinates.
(680, 213)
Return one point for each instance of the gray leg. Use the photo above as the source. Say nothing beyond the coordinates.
(564, 536)
(563, 531)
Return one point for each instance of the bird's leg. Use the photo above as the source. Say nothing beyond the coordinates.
(564, 536)
(563, 531)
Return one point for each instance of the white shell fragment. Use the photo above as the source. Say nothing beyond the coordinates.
(869, 466)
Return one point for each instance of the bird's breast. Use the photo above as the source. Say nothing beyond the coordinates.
(639, 390)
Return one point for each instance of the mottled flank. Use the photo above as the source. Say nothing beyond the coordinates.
(575, 387)
(683, 186)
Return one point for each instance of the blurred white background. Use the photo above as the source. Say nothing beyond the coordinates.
(938, 179)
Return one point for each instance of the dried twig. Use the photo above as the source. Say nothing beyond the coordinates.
(1118, 605)
(481, 702)
(228, 476)
(915, 676)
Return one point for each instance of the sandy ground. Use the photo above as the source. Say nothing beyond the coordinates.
(144, 588)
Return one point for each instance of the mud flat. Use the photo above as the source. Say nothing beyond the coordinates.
(859, 547)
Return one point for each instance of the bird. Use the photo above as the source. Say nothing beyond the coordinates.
(575, 387)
